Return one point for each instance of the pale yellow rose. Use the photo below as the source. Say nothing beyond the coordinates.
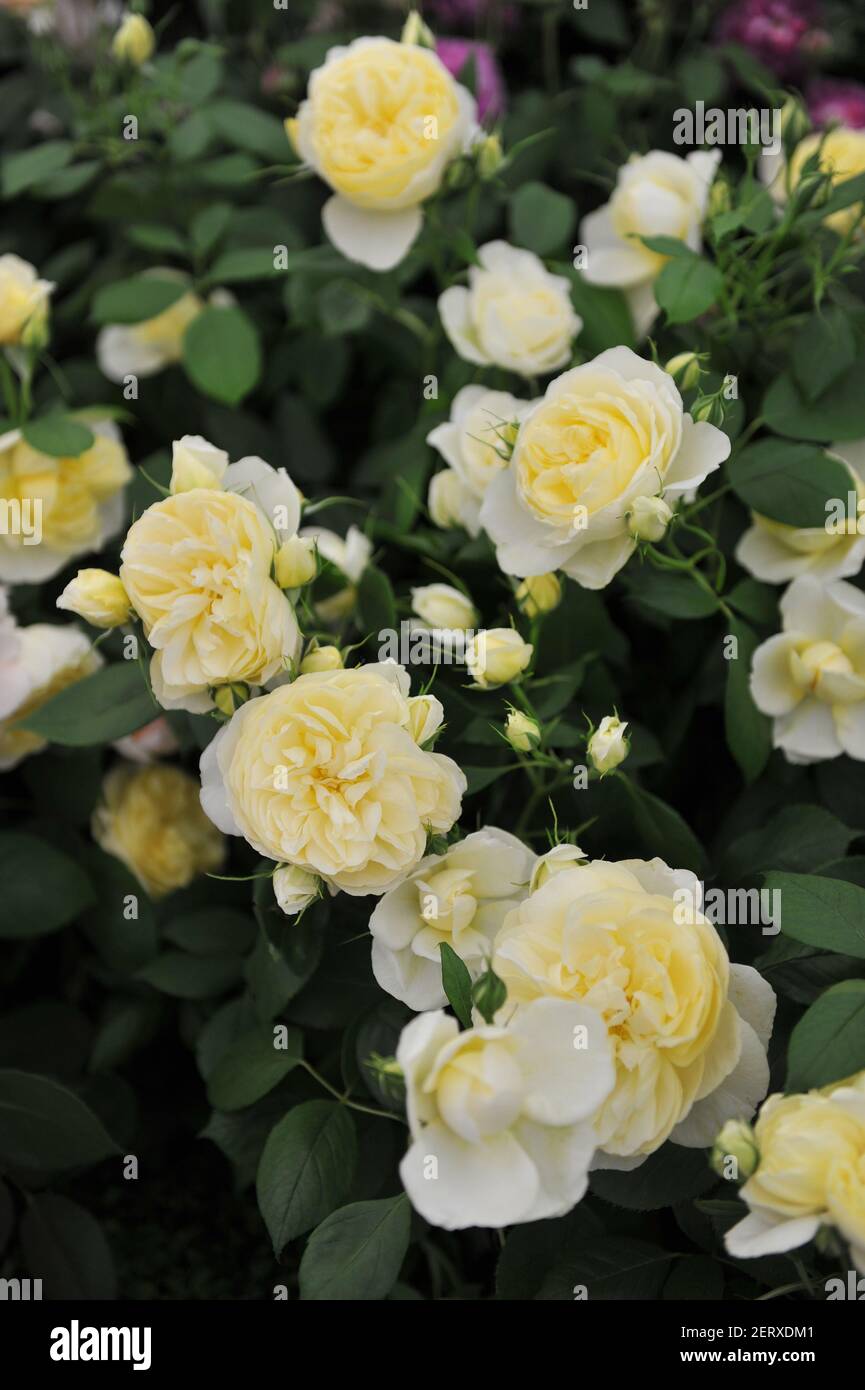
(75, 504)
(441, 605)
(327, 658)
(46, 660)
(326, 774)
(151, 819)
(197, 569)
(685, 1023)
(497, 655)
(295, 889)
(23, 298)
(521, 731)
(539, 594)
(842, 154)
(608, 746)
(134, 42)
(98, 597)
(476, 442)
(380, 124)
(142, 349)
(296, 562)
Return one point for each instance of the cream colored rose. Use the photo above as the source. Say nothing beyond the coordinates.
(810, 1173)
(326, 774)
(496, 656)
(563, 856)
(98, 597)
(842, 154)
(810, 677)
(514, 314)
(451, 503)
(151, 819)
(195, 462)
(603, 435)
(327, 658)
(539, 594)
(70, 505)
(656, 194)
(441, 605)
(476, 442)
(608, 746)
(380, 124)
(461, 898)
(521, 731)
(134, 42)
(295, 889)
(23, 298)
(690, 1030)
(36, 663)
(143, 349)
(777, 553)
(197, 569)
(501, 1118)
(649, 518)
(351, 556)
(296, 563)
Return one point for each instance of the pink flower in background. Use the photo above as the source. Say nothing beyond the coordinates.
(780, 33)
(469, 12)
(840, 102)
(489, 85)
(155, 740)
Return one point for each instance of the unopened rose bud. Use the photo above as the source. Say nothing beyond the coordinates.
(296, 562)
(295, 888)
(795, 123)
(708, 408)
(539, 594)
(720, 199)
(321, 659)
(441, 605)
(489, 156)
(685, 369)
(388, 1073)
(522, 732)
(415, 31)
(737, 1141)
(134, 42)
(497, 655)
(35, 332)
(608, 746)
(98, 597)
(556, 859)
(425, 716)
(447, 498)
(649, 518)
(228, 698)
(196, 463)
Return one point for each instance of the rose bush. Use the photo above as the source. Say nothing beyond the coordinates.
(432, 650)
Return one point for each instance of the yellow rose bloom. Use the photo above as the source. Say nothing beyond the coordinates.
(197, 569)
(842, 154)
(611, 935)
(75, 504)
(23, 297)
(326, 774)
(46, 660)
(380, 124)
(151, 819)
(98, 597)
(142, 349)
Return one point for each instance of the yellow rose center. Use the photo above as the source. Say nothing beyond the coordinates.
(810, 664)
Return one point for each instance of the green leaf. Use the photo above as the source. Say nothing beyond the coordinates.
(58, 436)
(612, 1267)
(376, 603)
(671, 1174)
(357, 1252)
(529, 1253)
(825, 912)
(541, 219)
(457, 984)
(222, 354)
(45, 1127)
(757, 602)
(43, 888)
(828, 1043)
(838, 414)
(212, 931)
(22, 171)
(248, 128)
(666, 245)
(823, 348)
(674, 595)
(791, 483)
(749, 731)
(135, 300)
(686, 287)
(243, 263)
(796, 838)
(65, 1247)
(111, 703)
(122, 942)
(606, 317)
(208, 226)
(306, 1170)
(697, 1277)
(154, 236)
(343, 307)
(662, 829)
(191, 977)
(253, 1066)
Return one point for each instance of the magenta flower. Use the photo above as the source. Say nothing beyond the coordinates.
(468, 12)
(488, 83)
(780, 33)
(840, 102)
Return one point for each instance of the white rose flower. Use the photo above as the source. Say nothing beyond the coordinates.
(603, 435)
(461, 898)
(326, 774)
(656, 194)
(195, 462)
(776, 553)
(143, 349)
(476, 442)
(560, 857)
(496, 656)
(501, 1118)
(608, 747)
(380, 124)
(23, 298)
(690, 1030)
(810, 677)
(441, 605)
(295, 889)
(36, 663)
(514, 313)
